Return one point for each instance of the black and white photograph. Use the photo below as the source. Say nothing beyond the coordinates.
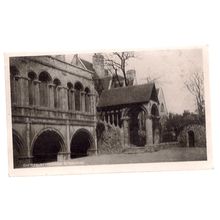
(127, 107)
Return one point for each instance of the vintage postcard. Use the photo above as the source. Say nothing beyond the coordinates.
(108, 112)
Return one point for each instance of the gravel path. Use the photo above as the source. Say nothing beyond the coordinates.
(166, 155)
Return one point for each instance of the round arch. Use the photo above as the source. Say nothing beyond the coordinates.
(81, 142)
(46, 145)
(78, 86)
(154, 110)
(14, 71)
(137, 125)
(45, 77)
(18, 146)
(126, 112)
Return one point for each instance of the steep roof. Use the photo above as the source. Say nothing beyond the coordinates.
(128, 95)
(87, 64)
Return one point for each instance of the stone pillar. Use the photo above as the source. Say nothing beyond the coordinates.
(51, 95)
(63, 97)
(68, 139)
(92, 105)
(28, 138)
(116, 118)
(17, 91)
(73, 99)
(149, 131)
(36, 92)
(108, 117)
(126, 132)
(113, 117)
(82, 94)
(24, 93)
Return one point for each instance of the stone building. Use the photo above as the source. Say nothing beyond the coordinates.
(56, 105)
(53, 109)
(193, 135)
(135, 110)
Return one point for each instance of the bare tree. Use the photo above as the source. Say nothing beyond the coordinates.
(117, 63)
(195, 86)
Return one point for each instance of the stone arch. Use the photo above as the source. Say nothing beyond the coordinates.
(162, 108)
(191, 138)
(137, 125)
(18, 146)
(46, 145)
(125, 112)
(45, 79)
(154, 110)
(78, 99)
(82, 140)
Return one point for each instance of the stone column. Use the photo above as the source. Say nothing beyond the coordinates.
(126, 132)
(68, 139)
(51, 95)
(149, 131)
(82, 95)
(116, 118)
(73, 99)
(63, 97)
(24, 92)
(17, 91)
(108, 117)
(36, 92)
(92, 105)
(28, 138)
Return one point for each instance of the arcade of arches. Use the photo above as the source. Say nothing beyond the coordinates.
(42, 91)
(49, 145)
(51, 101)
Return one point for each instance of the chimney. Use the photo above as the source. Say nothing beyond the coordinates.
(131, 77)
(98, 64)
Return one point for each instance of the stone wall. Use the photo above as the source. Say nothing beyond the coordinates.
(109, 138)
(199, 135)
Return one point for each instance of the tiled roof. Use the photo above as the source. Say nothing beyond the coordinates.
(87, 64)
(128, 95)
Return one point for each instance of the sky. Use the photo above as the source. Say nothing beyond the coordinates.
(171, 68)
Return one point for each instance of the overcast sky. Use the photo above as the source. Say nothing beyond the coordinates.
(171, 68)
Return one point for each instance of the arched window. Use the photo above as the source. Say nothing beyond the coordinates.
(45, 79)
(15, 93)
(154, 110)
(56, 83)
(162, 107)
(70, 96)
(78, 88)
(87, 100)
(31, 76)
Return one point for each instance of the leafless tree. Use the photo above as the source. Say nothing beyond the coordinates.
(117, 63)
(195, 85)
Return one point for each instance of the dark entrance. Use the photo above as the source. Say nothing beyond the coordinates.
(17, 148)
(80, 144)
(191, 139)
(47, 147)
(137, 127)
